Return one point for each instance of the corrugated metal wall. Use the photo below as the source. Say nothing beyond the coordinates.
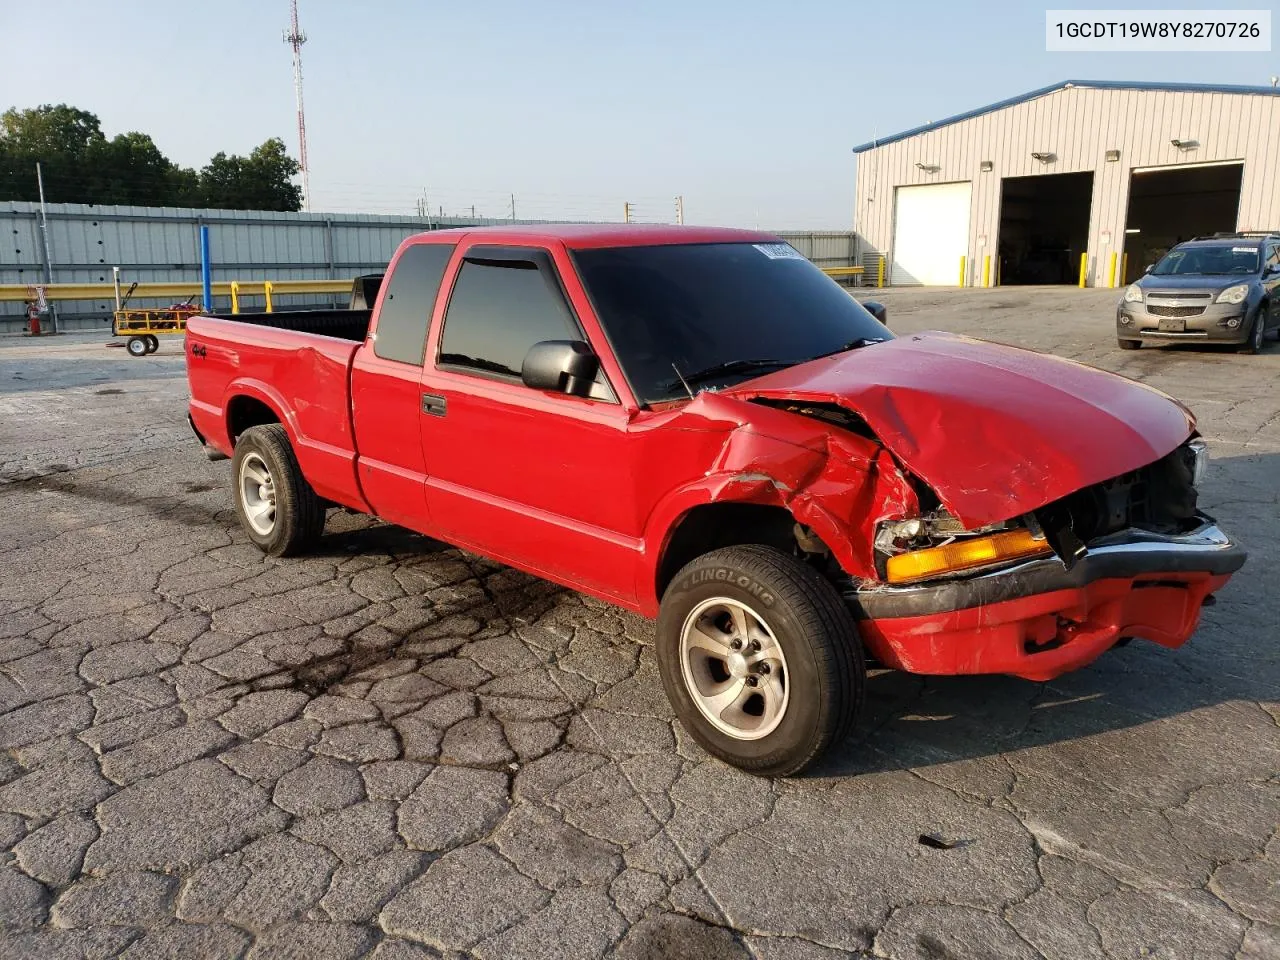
(1079, 125)
(152, 244)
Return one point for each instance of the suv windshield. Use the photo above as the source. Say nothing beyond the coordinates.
(1214, 260)
(717, 313)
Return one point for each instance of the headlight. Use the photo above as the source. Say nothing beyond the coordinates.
(1199, 460)
(1133, 294)
(1234, 294)
(963, 555)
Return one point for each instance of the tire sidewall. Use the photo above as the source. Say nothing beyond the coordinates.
(806, 684)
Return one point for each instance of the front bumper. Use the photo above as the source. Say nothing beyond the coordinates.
(1136, 321)
(1038, 619)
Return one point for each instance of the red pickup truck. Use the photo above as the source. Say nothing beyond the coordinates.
(698, 425)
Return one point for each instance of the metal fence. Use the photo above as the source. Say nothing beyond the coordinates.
(161, 244)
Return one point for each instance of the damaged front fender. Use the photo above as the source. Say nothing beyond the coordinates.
(838, 484)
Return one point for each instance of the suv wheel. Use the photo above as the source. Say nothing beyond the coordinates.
(276, 505)
(1257, 333)
(760, 658)
(1129, 344)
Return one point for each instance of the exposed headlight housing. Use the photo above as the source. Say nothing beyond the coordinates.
(960, 555)
(1133, 294)
(1236, 294)
(1199, 451)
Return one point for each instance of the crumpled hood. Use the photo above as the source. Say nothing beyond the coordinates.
(995, 431)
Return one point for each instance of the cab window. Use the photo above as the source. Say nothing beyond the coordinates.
(401, 333)
(499, 309)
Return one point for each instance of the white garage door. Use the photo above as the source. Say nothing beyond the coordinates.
(930, 234)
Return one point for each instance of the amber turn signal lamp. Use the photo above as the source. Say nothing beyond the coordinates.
(964, 555)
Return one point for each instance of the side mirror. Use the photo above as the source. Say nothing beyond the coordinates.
(565, 366)
(877, 310)
(1147, 269)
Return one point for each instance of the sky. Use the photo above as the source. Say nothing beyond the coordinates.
(746, 109)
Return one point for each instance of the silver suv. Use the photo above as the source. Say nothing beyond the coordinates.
(1219, 289)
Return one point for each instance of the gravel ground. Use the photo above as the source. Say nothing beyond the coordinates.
(396, 749)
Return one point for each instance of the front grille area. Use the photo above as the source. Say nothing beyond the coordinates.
(1158, 497)
(1158, 310)
(1176, 295)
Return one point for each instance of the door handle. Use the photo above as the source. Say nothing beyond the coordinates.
(433, 404)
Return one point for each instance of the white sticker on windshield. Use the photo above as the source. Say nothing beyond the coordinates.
(1244, 249)
(779, 251)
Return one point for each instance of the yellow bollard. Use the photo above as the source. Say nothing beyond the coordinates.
(986, 270)
(880, 273)
(266, 292)
(1111, 270)
(962, 264)
(1084, 268)
(235, 297)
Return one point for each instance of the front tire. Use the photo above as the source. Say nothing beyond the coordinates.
(274, 501)
(1257, 333)
(1129, 344)
(760, 658)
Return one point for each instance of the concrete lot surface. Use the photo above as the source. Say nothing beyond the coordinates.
(396, 749)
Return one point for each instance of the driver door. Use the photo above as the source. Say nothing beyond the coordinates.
(538, 479)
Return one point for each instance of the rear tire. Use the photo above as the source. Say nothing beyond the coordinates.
(1129, 344)
(274, 501)
(794, 684)
(137, 347)
(153, 343)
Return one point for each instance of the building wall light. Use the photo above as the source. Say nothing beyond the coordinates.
(1185, 144)
(987, 166)
(1044, 156)
(927, 167)
(1113, 156)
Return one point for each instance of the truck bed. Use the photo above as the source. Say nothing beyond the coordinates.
(295, 364)
(343, 324)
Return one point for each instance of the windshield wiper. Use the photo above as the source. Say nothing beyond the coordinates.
(727, 368)
(852, 345)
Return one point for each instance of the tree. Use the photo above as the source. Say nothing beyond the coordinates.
(260, 181)
(59, 137)
(80, 165)
(129, 169)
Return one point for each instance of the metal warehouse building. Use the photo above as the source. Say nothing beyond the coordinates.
(1081, 182)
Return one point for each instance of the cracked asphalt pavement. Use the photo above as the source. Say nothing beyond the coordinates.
(395, 749)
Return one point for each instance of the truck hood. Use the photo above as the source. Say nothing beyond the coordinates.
(995, 431)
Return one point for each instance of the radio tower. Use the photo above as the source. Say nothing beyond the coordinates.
(296, 38)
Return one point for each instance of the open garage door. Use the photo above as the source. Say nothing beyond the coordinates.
(1044, 227)
(930, 234)
(1168, 205)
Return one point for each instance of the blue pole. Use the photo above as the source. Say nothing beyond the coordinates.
(206, 272)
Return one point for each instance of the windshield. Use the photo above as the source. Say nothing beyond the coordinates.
(1215, 261)
(720, 312)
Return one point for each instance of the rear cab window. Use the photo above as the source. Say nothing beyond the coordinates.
(401, 333)
(504, 300)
